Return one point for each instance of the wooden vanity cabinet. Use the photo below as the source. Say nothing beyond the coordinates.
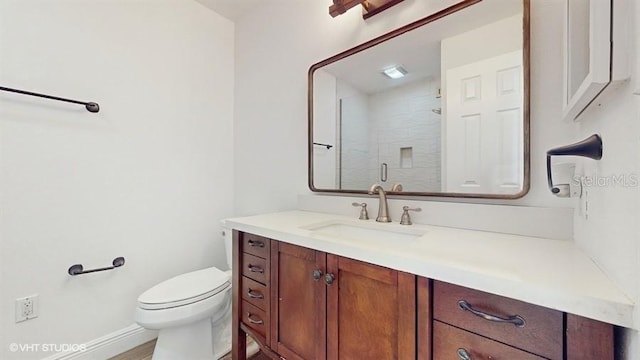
(325, 306)
(304, 304)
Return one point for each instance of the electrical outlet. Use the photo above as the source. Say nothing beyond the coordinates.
(27, 308)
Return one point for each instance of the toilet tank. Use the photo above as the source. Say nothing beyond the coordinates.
(228, 239)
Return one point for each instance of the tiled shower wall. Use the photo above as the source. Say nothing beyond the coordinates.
(403, 117)
(375, 128)
(398, 118)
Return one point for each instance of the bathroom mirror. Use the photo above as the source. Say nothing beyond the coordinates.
(450, 117)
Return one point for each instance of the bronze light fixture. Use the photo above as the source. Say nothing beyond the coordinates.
(369, 7)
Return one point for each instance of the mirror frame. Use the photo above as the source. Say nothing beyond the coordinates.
(526, 49)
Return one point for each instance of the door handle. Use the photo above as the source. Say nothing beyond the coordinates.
(383, 172)
(516, 320)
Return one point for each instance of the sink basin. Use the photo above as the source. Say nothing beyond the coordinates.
(376, 232)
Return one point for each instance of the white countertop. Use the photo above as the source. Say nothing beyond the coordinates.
(551, 273)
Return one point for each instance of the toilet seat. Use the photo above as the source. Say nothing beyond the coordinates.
(185, 289)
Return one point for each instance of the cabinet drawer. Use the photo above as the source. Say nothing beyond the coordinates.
(541, 334)
(255, 268)
(255, 245)
(255, 318)
(453, 343)
(255, 293)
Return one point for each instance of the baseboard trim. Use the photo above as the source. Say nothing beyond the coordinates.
(109, 345)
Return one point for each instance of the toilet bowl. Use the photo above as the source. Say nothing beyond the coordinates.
(192, 313)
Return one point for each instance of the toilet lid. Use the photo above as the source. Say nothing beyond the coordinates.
(185, 289)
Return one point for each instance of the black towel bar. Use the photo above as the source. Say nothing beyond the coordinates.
(90, 106)
(77, 269)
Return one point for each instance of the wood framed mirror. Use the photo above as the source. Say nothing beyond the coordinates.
(456, 124)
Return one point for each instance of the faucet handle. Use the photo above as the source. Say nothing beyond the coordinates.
(406, 219)
(364, 215)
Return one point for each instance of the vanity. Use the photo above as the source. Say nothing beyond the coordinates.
(321, 286)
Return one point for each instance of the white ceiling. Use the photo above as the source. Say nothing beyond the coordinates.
(235, 9)
(231, 9)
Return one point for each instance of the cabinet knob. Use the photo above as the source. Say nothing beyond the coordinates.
(463, 354)
(317, 274)
(328, 279)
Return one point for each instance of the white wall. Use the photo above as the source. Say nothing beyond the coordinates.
(147, 178)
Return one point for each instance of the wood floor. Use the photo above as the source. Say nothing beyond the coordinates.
(142, 352)
(145, 351)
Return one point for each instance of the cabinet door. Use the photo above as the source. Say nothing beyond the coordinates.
(298, 306)
(370, 311)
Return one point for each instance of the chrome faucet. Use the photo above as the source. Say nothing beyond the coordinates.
(383, 207)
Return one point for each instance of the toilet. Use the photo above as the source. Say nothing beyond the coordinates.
(192, 313)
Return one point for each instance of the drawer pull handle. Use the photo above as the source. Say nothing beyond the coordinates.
(463, 354)
(254, 243)
(516, 320)
(256, 269)
(254, 295)
(254, 321)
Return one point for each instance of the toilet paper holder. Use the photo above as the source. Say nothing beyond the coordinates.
(590, 147)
